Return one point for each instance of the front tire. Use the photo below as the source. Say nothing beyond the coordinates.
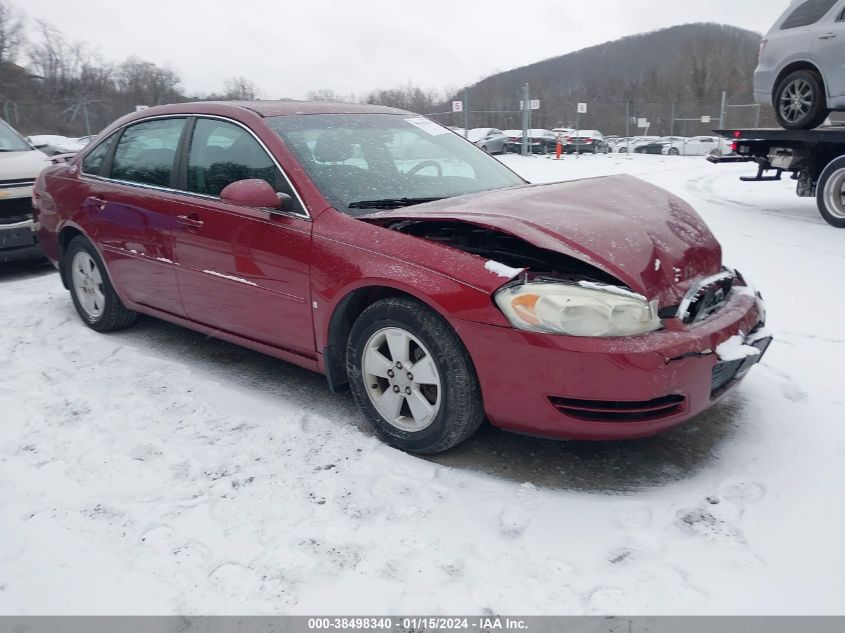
(674, 151)
(800, 101)
(93, 296)
(412, 377)
(830, 193)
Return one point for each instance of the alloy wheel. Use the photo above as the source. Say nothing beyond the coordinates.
(88, 284)
(401, 379)
(796, 100)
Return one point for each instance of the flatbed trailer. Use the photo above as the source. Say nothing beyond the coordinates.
(814, 158)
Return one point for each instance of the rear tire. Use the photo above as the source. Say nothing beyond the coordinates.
(93, 296)
(800, 101)
(830, 193)
(388, 341)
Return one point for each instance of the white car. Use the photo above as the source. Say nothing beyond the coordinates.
(53, 144)
(634, 142)
(20, 164)
(693, 146)
(490, 139)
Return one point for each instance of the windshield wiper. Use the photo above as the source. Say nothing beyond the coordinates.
(390, 203)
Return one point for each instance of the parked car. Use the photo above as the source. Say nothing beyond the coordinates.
(633, 143)
(657, 146)
(20, 163)
(693, 146)
(800, 69)
(540, 141)
(489, 139)
(442, 291)
(586, 142)
(53, 144)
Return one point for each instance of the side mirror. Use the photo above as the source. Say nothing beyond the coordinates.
(255, 192)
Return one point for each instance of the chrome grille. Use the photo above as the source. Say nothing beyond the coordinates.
(15, 210)
(706, 297)
(17, 183)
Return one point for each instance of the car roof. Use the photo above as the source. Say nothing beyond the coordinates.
(291, 107)
(241, 109)
(282, 107)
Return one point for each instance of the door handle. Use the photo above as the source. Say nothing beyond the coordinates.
(192, 220)
(99, 203)
(827, 36)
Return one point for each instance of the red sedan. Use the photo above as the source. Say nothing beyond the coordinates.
(404, 263)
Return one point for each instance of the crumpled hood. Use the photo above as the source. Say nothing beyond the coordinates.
(646, 237)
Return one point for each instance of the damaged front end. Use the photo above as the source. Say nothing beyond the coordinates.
(511, 251)
(550, 292)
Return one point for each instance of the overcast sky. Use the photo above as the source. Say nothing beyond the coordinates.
(288, 48)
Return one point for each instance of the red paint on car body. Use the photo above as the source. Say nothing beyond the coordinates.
(273, 282)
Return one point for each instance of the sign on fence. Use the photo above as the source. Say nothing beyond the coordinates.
(534, 104)
(582, 108)
(457, 106)
(706, 119)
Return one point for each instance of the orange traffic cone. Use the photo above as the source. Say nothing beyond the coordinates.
(558, 150)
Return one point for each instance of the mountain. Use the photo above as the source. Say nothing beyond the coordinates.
(688, 66)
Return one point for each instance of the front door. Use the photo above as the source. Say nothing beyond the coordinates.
(242, 270)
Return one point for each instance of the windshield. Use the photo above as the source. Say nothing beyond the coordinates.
(363, 162)
(11, 141)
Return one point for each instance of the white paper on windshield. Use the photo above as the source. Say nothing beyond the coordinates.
(430, 127)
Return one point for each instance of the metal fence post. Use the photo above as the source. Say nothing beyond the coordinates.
(466, 112)
(526, 104)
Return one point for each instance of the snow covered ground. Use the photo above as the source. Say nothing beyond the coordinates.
(158, 471)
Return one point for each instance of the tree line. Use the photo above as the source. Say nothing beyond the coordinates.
(49, 84)
(671, 77)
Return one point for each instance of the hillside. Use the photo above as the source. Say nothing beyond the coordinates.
(689, 65)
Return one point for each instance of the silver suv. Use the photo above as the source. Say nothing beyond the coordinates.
(802, 64)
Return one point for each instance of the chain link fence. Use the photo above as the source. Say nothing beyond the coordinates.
(624, 119)
(620, 119)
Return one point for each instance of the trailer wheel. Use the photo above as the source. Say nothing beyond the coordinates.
(800, 101)
(830, 193)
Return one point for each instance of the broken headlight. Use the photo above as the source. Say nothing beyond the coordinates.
(577, 310)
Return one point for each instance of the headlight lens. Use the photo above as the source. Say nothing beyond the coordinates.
(557, 308)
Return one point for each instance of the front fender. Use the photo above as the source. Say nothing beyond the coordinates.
(350, 255)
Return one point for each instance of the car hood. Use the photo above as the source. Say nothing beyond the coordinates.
(22, 165)
(644, 236)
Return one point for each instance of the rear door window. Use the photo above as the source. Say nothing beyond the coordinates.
(807, 13)
(146, 152)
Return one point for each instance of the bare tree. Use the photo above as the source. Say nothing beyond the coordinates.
(330, 95)
(240, 89)
(145, 83)
(408, 97)
(11, 32)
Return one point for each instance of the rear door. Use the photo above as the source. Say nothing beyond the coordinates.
(130, 213)
(242, 270)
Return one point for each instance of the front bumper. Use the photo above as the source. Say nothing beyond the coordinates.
(17, 229)
(604, 389)
(18, 241)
